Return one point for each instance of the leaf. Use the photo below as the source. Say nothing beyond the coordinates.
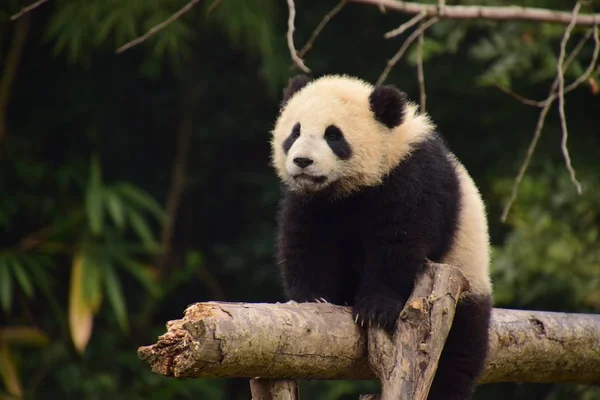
(115, 208)
(24, 335)
(93, 206)
(21, 275)
(80, 311)
(8, 371)
(142, 229)
(92, 273)
(5, 286)
(114, 293)
(141, 198)
(137, 270)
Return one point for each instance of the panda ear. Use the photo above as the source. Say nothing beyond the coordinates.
(293, 86)
(388, 104)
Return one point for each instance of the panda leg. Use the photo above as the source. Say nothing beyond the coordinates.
(463, 358)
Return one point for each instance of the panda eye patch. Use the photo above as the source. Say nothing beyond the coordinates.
(296, 131)
(333, 133)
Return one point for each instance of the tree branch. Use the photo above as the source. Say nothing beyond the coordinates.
(394, 60)
(158, 27)
(290, 37)
(312, 340)
(421, 73)
(313, 36)
(561, 97)
(406, 364)
(546, 104)
(498, 13)
(25, 10)
(10, 69)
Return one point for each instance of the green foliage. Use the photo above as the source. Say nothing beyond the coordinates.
(550, 259)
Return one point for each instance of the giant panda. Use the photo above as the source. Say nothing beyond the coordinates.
(370, 192)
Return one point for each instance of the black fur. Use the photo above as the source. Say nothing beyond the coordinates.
(388, 104)
(294, 85)
(289, 141)
(365, 250)
(337, 142)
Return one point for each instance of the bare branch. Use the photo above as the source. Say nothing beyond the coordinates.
(496, 13)
(290, 37)
(561, 98)
(405, 46)
(405, 26)
(420, 73)
(27, 9)
(334, 11)
(540, 124)
(9, 70)
(574, 53)
(158, 27)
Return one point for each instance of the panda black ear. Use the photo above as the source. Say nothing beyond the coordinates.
(388, 104)
(293, 86)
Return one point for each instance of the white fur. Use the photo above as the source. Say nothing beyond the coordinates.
(344, 101)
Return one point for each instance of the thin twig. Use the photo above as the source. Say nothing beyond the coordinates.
(525, 164)
(407, 25)
(290, 38)
(492, 13)
(334, 11)
(405, 45)
(28, 8)
(212, 6)
(158, 27)
(420, 73)
(540, 124)
(574, 53)
(561, 99)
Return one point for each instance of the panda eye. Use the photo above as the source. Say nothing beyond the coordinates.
(296, 131)
(333, 133)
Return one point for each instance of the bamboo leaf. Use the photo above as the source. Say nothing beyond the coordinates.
(142, 229)
(5, 286)
(138, 271)
(92, 273)
(115, 208)
(141, 198)
(24, 335)
(19, 273)
(93, 206)
(114, 293)
(8, 372)
(80, 311)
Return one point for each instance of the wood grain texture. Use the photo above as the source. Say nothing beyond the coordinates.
(321, 341)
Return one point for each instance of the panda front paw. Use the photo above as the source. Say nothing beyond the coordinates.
(379, 311)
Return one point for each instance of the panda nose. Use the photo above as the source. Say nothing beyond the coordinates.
(302, 162)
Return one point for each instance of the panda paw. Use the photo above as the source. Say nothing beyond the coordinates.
(379, 311)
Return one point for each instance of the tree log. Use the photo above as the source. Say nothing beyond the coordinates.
(321, 341)
(406, 364)
(273, 389)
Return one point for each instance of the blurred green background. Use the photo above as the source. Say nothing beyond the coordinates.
(135, 184)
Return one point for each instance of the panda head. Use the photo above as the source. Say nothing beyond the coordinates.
(340, 134)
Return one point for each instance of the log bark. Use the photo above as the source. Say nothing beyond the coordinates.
(406, 364)
(321, 341)
(273, 389)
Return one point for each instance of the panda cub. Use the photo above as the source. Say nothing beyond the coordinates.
(370, 192)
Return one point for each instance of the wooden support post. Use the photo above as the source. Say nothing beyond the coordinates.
(406, 363)
(273, 389)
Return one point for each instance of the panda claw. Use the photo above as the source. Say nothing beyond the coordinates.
(323, 300)
(356, 319)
